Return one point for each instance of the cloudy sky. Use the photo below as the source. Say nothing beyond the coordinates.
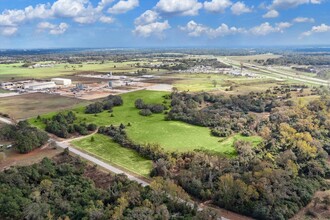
(163, 23)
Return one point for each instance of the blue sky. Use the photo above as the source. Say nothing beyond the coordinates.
(163, 23)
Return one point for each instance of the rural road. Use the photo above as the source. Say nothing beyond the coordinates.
(65, 144)
(100, 163)
(6, 121)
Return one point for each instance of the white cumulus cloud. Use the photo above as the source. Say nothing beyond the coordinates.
(266, 28)
(155, 28)
(147, 17)
(179, 7)
(240, 8)
(323, 28)
(123, 6)
(195, 30)
(217, 6)
(53, 28)
(292, 3)
(303, 20)
(106, 19)
(271, 14)
(8, 31)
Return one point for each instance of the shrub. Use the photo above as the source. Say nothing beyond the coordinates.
(139, 104)
(158, 108)
(92, 127)
(145, 112)
(94, 108)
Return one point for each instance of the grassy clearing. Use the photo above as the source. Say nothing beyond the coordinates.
(229, 142)
(32, 105)
(113, 153)
(171, 135)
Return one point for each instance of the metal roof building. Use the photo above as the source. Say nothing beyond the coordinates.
(39, 85)
(62, 81)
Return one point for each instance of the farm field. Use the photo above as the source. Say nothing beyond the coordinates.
(205, 82)
(171, 135)
(104, 148)
(251, 58)
(34, 104)
(16, 71)
(3, 91)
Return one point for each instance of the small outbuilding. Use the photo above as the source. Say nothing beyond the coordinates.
(62, 81)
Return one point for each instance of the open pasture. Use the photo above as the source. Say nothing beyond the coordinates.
(171, 135)
(16, 71)
(221, 82)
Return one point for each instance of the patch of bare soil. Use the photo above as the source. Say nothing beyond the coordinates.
(13, 158)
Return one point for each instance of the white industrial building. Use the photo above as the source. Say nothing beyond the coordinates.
(62, 81)
(39, 86)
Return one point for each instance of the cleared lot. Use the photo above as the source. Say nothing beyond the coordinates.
(31, 105)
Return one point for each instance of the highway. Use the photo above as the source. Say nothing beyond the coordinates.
(280, 74)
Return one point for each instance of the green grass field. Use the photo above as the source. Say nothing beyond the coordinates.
(204, 82)
(104, 148)
(16, 71)
(171, 135)
(4, 91)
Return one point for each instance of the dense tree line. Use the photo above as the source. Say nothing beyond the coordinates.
(63, 125)
(185, 64)
(62, 189)
(24, 137)
(297, 59)
(271, 181)
(225, 115)
(107, 104)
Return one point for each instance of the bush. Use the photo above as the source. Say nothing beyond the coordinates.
(139, 104)
(92, 127)
(221, 132)
(158, 108)
(94, 108)
(145, 112)
(81, 129)
(116, 100)
(107, 104)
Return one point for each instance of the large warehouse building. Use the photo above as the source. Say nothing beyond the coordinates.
(39, 85)
(62, 81)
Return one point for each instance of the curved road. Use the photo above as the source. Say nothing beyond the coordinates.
(100, 163)
(65, 144)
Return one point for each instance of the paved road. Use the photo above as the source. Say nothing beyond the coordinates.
(279, 73)
(100, 163)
